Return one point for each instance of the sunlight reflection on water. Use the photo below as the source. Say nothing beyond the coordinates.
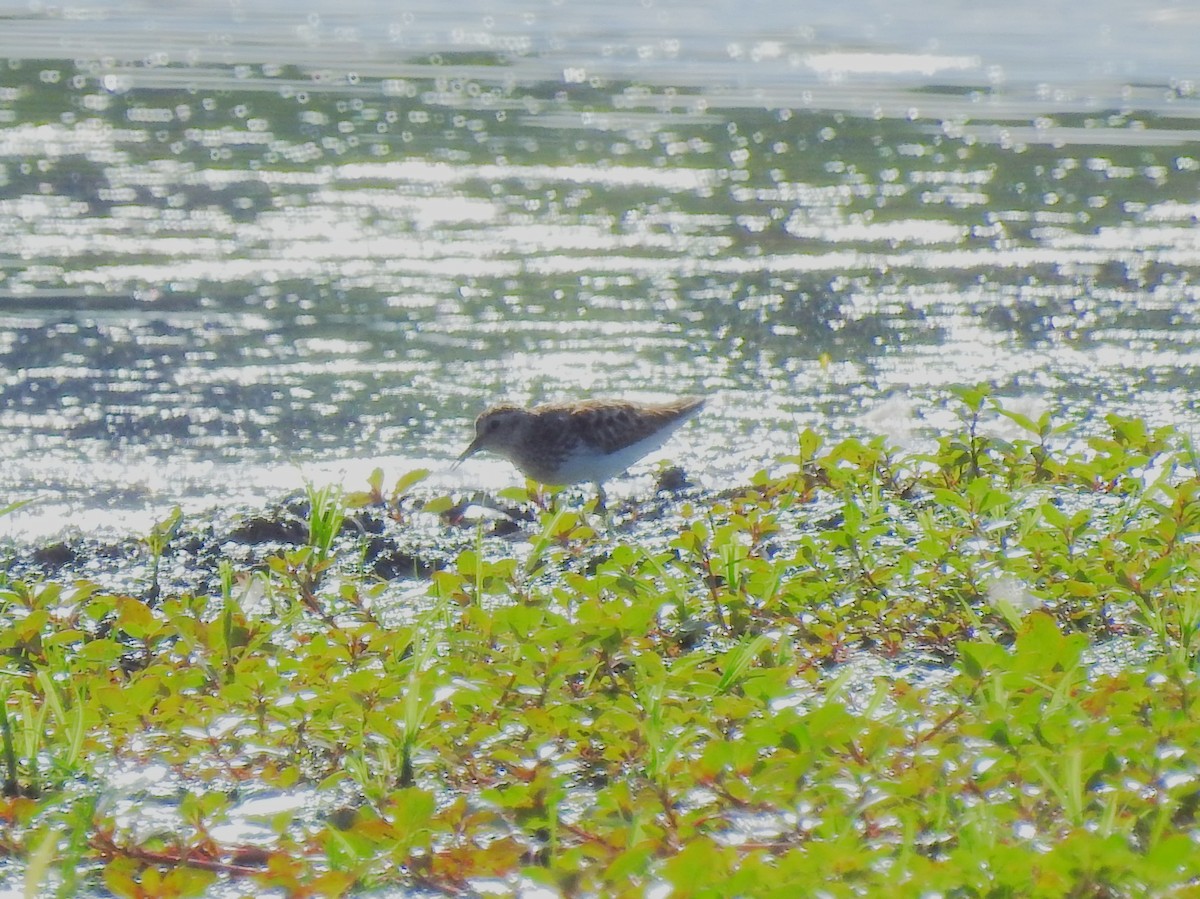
(244, 246)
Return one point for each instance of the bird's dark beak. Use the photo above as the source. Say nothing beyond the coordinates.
(471, 450)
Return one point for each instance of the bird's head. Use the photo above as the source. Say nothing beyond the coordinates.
(497, 429)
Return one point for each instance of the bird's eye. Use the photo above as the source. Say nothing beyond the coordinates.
(493, 424)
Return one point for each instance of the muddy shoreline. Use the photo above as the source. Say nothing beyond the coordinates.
(405, 540)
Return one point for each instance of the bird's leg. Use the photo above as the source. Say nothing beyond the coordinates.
(601, 506)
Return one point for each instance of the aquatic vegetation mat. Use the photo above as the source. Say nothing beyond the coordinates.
(969, 671)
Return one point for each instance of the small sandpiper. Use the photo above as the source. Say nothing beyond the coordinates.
(570, 443)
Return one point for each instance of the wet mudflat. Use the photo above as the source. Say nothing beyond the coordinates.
(1012, 619)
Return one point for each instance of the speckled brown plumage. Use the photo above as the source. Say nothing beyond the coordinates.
(565, 443)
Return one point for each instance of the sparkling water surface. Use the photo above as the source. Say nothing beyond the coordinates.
(252, 244)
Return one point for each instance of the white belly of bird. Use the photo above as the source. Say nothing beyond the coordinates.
(586, 463)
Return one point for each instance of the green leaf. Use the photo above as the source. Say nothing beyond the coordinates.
(979, 660)
(407, 481)
(1041, 646)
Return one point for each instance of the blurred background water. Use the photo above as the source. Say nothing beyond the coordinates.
(252, 242)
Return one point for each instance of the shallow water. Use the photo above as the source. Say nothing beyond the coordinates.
(248, 246)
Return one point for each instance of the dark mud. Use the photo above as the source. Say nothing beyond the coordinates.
(409, 541)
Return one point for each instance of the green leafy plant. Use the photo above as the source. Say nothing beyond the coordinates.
(968, 671)
(160, 536)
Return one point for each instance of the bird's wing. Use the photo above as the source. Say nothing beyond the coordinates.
(612, 426)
